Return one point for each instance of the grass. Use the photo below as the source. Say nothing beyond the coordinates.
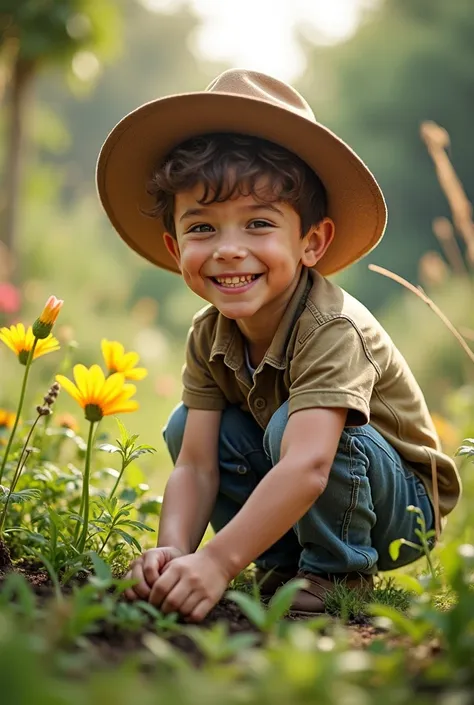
(351, 604)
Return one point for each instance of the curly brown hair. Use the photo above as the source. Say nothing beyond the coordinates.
(228, 165)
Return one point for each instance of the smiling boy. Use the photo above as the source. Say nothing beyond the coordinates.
(302, 435)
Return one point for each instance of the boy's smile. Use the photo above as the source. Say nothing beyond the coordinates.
(243, 255)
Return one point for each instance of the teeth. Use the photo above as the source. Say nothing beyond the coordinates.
(235, 281)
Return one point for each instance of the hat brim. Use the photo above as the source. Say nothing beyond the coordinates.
(144, 137)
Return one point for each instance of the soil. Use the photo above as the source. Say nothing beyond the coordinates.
(111, 644)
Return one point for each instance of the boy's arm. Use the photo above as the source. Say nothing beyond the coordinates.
(187, 505)
(191, 490)
(286, 493)
(193, 584)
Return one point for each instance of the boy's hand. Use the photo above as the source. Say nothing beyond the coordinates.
(190, 585)
(147, 569)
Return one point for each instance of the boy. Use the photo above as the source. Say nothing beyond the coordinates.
(302, 436)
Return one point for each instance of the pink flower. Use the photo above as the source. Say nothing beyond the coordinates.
(9, 298)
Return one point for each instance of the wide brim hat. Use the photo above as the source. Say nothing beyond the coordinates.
(250, 103)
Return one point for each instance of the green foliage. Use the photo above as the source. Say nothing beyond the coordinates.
(54, 31)
(378, 106)
(267, 618)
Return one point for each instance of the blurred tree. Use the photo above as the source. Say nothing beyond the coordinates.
(33, 35)
(157, 60)
(411, 60)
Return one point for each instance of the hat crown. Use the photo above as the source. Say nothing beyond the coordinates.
(252, 84)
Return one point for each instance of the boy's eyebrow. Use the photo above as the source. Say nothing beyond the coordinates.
(253, 207)
(193, 211)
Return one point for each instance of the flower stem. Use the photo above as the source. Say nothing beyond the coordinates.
(85, 491)
(117, 481)
(20, 407)
(15, 480)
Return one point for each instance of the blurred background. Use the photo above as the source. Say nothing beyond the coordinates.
(373, 70)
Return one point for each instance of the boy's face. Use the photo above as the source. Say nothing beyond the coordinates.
(242, 255)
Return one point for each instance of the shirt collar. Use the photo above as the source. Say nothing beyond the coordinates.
(229, 341)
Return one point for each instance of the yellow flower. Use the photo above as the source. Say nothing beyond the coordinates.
(97, 395)
(117, 360)
(43, 325)
(21, 341)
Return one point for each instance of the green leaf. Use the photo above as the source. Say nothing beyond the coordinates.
(394, 548)
(151, 506)
(128, 538)
(409, 583)
(251, 607)
(20, 497)
(102, 570)
(282, 599)
(15, 588)
(136, 525)
(140, 451)
(109, 448)
(122, 431)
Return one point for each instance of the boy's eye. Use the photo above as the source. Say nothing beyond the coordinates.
(201, 228)
(260, 224)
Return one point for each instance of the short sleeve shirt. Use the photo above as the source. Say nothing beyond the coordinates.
(329, 351)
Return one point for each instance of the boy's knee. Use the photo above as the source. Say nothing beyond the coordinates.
(274, 433)
(173, 432)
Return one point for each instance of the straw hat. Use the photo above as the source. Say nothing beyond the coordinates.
(250, 103)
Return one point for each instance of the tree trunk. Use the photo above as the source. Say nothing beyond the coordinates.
(16, 108)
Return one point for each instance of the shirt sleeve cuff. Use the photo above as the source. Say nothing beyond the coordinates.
(200, 401)
(358, 409)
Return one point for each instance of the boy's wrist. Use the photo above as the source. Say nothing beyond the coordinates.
(167, 541)
(229, 560)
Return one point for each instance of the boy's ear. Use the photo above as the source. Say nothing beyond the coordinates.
(317, 242)
(171, 245)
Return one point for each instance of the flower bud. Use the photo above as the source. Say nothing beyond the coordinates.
(43, 410)
(43, 325)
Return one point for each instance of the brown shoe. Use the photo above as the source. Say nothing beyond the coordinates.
(270, 580)
(310, 600)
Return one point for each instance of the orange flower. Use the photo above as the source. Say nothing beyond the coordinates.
(43, 325)
(7, 419)
(21, 341)
(66, 420)
(97, 395)
(117, 360)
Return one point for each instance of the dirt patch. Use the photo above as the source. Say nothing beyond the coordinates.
(111, 643)
(5, 559)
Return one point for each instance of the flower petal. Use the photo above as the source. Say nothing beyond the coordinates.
(7, 337)
(129, 360)
(136, 373)
(45, 346)
(112, 388)
(116, 354)
(120, 407)
(70, 388)
(96, 383)
(106, 347)
(81, 376)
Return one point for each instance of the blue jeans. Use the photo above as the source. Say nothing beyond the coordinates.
(350, 527)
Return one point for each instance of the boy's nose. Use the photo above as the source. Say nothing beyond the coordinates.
(229, 251)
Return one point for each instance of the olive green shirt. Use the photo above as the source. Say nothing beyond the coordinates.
(328, 351)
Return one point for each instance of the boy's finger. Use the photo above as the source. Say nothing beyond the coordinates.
(163, 587)
(200, 611)
(190, 604)
(175, 598)
(151, 567)
(142, 589)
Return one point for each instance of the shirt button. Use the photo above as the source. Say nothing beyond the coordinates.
(241, 469)
(260, 403)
